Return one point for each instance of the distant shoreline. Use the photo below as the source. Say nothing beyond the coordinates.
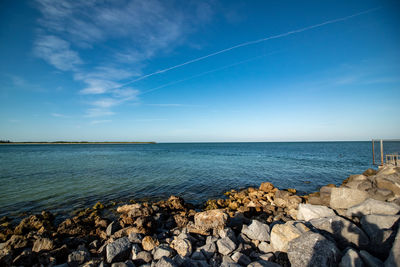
(71, 143)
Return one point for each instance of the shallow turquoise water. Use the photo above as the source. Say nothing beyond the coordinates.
(65, 177)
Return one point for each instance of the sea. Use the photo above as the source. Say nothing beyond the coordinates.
(63, 178)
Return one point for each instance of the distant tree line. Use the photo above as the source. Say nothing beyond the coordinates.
(5, 141)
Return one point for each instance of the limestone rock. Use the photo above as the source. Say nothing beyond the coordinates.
(343, 231)
(372, 206)
(166, 262)
(211, 219)
(351, 259)
(282, 234)
(162, 251)
(343, 198)
(308, 212)
(143, 257)
(266, 187)
(225, 245)
(241, 258)
(208, 250)
(388, 181)
(118, 250)
(257, 231)
(312, 249)
(372, 223)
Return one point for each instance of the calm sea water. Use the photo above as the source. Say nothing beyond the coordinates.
(62, 178)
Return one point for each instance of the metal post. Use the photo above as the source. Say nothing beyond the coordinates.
(381, 152)
(373, 152)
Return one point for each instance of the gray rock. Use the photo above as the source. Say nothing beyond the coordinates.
(135, 250)
(118, 250)
(308, 212)
(394, 255)
(78, 257)
(112, 228)
(282, 234)
(344, 198)
(380, 194)
(240, 258)
(312, 249)
(267, 256)
(230, 264)
(369, 260)
(351, 259)
(119, 264)
(162, 251)
(43, 244)
(143, 257)
(372, 206)
(343, 231)
(225, 245)
(227, 232)
(262, 263)
(166, 262)
(370, 223)
(211, 239)
(257, 231)
(103, 264)
(208, 250)
(389, 181)
(135, 238)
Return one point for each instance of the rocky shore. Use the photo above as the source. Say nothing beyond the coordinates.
(355, 224)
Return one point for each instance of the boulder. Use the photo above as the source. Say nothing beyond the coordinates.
(208, 250)
(263, 263)
(166, 262)
(312, 249)
(325, 194)
(143, 257)
(372, 206)
(265, 247)
(388, 181)
(351, 259)
(343, 198)
(162, 251)
(118, 250)
(211, 219)
(343, 231)
(257, 231)
(267, 187)
(225, 246)
(282, 234)
(373, 223)
(240, 258)
(308, 212)
(43, 244)
(182, 246)
(394, 255)
(78, 257)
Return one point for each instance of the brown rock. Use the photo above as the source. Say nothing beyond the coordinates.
(176, 203)
(43, 244)
(266, 187)
(148, 243)
(212, 219)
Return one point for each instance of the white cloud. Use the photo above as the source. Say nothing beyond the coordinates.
(59, 115)
(100, 121)
(57, 52)
(98, 112)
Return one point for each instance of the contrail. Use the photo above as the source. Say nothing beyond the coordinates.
(206, 72)
(251, 43)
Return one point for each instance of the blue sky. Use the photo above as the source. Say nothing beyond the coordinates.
(151, 70)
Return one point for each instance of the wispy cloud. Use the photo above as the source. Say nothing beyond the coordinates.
(173, 105)
(59, 115)
(98, 112)
(100, 121)
(143, 29)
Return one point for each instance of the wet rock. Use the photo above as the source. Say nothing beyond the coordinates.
(118, 250)
(372, 206)
(343, 231)
(257, 231)
(166, 262)
(241, 258)
(211, 219)
(282, 234)
(312, 249)
(78, 257)
(369, 260)
(182, 246)
(43, 244)
(343, 198)
(351, 259)
(148, 243)
(267, 187)
(394, 255)
(162, 251)
(225, 246)
(308, 212)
